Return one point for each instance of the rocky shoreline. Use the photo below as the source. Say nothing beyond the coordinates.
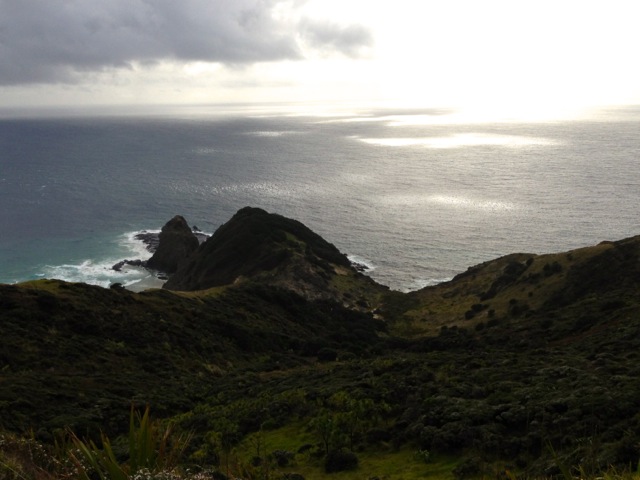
(173, 235)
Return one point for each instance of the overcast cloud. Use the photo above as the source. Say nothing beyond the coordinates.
(49, 41)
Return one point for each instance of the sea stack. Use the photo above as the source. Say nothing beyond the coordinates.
(176, 243)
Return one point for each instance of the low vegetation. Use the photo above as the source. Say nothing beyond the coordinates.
(522, 367)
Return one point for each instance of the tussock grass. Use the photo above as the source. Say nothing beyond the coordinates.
(150, 448)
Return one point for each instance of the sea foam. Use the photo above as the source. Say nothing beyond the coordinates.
(99, 271)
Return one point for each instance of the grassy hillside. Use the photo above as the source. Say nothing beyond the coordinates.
(526, 364)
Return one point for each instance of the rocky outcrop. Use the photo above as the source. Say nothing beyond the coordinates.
(176, 243)
(269, 248)
(134, 263)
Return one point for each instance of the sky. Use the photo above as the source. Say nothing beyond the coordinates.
(487, 55)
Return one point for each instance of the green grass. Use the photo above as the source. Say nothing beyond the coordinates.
(386, 465)
(384, 462)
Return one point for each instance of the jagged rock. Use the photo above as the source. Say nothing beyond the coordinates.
(134, 263)
(118, 266)
(150, 240)
(175, 243)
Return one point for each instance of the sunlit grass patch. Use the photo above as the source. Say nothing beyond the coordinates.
(307, 460)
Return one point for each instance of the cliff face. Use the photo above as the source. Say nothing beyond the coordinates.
(176, 243)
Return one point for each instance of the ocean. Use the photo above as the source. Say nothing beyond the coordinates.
(416, 195)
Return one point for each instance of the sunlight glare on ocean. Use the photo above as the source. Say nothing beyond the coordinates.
(419, 194)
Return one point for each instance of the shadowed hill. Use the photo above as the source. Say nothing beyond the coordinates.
(270, 249)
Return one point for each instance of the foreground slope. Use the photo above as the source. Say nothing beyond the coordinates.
(528, 359)
(77, 355)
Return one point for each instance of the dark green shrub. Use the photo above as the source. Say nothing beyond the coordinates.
(363, 303)
(551, 268)
(514, 269)
(516, 309)
(627, 450)
(493, 322)
(546, 323)
(452, 436)
(348, 356)
(510, 274)
(340, 460)
(292, 476)
(217, 475)
(584, 323)
(471, 467)
(376, 435)
(613, 305)
(305, 448)
(327, 354)
(270, 424)
(478, 307)
(282, 457)
(47, 301)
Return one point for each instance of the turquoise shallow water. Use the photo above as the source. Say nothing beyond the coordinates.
(417, 197)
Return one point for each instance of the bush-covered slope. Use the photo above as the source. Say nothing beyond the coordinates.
(74, 354)
(527, 359)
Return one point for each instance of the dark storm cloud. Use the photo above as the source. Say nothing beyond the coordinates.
(55, 40)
